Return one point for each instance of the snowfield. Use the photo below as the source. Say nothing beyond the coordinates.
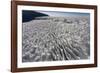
(56, 39)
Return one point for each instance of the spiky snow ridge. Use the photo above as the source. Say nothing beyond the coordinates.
(56, 39)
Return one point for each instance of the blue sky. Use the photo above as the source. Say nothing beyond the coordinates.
(64, 14)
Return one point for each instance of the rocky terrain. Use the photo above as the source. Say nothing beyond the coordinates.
(56, 39)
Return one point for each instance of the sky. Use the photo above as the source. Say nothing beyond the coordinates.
(63, 14)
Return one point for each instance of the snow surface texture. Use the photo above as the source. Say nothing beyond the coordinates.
(56, 39)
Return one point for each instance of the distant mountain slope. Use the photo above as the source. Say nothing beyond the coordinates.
(28, 15)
